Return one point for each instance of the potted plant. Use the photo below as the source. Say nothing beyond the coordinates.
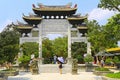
(88, 62)
(24, 62)
(3, 76)
(10, 72)
(88, 58)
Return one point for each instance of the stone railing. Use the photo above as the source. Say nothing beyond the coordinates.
(3, 76)
(29, 39)
(79, 39)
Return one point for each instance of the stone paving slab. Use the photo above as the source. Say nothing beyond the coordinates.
(55, 76)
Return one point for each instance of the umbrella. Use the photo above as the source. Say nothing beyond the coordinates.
(60, 59)
(103, 53)
(113, 50)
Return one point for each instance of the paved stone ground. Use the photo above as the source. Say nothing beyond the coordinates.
(55, 76)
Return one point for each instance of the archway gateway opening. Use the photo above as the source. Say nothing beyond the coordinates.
(53, 26)
(53, 46)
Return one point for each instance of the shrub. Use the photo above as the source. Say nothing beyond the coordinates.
(80, 58)
(116, 59)
(108, 61)
(88, 58)
(24, 61)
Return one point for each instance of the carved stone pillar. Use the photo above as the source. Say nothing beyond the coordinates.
(69, 44)
(40, 44)
(88, 48)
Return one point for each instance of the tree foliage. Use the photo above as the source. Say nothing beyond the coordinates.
(103, 37)
(78, 50)
(112, 31)
(95, 36)
(60, 46)
(110, 4)
(9, 48)
(88, 58)
(57, 47)
(28, 48)
(47, 51)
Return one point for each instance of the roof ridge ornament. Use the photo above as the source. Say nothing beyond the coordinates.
(86, 15)
(33, 5)
(75, 6)
(23, 14)
(78, 15)
(40, 5)
(20, 23)
(31, 14)
(69, 5)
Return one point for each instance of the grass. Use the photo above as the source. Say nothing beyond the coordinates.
(113, 75)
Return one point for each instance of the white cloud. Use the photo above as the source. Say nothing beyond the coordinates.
(100, 15)
(3, 25)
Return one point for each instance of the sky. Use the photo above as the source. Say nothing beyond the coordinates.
(12, 10)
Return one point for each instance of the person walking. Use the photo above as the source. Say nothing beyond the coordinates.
(60, 62)
(60, 67)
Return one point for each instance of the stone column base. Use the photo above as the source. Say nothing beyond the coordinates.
(40, 61)
(69, 61)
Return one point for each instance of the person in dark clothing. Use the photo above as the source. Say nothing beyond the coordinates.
(60, 67)
(60, 62)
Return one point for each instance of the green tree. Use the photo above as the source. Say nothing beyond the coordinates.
(60, 46)
(112, 31)
(78, 50)
(95, 36)
(102, 37)
(9, 40)
(110, 4)
(57, 47)
(47, 51)
(28, 48)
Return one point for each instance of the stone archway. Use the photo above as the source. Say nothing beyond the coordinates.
(53, 26)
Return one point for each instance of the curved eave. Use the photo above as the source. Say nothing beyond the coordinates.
(82, 28)
(53, 11)
(76, 21)
(32, 20)
(24, 29)
(74, 18)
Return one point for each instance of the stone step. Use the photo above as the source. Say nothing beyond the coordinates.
(53, 68)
